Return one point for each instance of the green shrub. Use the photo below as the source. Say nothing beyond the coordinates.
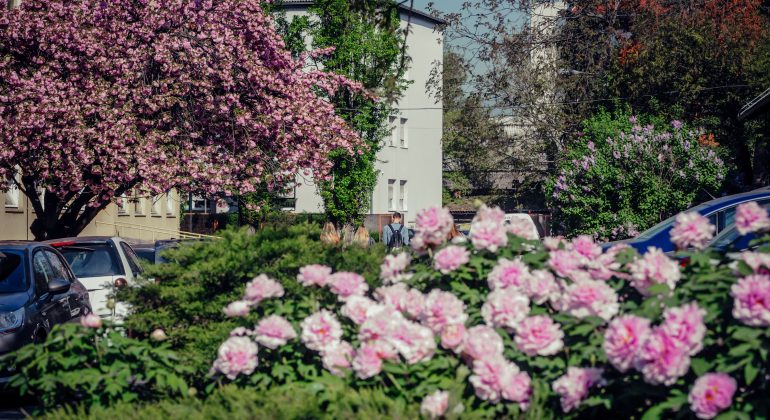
(95, 367)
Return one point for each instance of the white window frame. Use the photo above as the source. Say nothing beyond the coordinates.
(155, 209)
(12, 196)
(138, 204)
(403, 133)
(403, 199)
(391, 195)
(123, 205)
(393, 125)
(195, 208)
(170, 208)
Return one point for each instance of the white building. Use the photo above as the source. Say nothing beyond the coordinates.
(409, 163)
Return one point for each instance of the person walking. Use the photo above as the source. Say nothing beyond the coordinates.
(395, 235)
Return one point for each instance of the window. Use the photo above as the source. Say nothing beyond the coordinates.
(59, 270)
(402, 196)
(155, 209)
(402, 134)
(12, 276)
(170, 204)
(133, 260)
(42, 272)
(138, 204)
(391, 194)
(198, 203)
(122, 205)
(92, 260)
(13, 195)
(393, 131)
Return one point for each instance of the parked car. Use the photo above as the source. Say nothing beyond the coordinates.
(152, 252)
(102, 264)
(730, 240)
(720, 211)
(37, 291)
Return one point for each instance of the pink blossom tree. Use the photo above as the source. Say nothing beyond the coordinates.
(103, 98)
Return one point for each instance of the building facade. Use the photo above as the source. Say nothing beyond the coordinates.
(409, 164)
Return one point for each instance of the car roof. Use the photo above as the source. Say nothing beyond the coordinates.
(21, 244)
(720, 202)
(82, 239)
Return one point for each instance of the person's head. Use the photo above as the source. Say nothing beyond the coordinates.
(453, 233)
(361, 237)
(396, 217)
(329, 234)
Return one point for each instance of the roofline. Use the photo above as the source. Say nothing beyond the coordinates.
(754, 105)
(401, 6)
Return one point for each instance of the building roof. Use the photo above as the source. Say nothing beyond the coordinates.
(755, 105)
(401, 6)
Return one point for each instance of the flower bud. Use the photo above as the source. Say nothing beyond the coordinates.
(158, 335)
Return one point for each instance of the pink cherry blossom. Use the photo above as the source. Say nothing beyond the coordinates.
(505, 308)
(539, 335)
(345, 284)
(711, 394)
(662, 359)
(685, 325)
(482, 342)
(541, 287)
(751, 300)
(508, 273)
(239, 308)
(750, 217)
(337, 357)
(237, 355)
(314, 275)
(262, 287)
(573, 387)
(692, 230)
(654, 267)
(623, 339)
(393, 267)
(453, 337)
(435, 405)
(442, 309)
(367, 362)
(451, 258)
(91, 321)
(590, 298)
(356, 308)
(274, 331)
(433, 225)
(488, 235)
(320, 330)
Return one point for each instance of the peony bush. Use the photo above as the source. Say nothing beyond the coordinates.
(503, 325)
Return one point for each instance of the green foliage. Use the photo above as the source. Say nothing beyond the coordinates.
(621, 178)
(185, 298)
(95, 368)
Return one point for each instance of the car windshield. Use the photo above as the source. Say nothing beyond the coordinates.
(12, 278)
(92, 260)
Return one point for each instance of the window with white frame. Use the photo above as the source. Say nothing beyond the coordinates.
(138, 204)
(198, 204)
(391, 195)
(155, 210)
(122, 204)
(392, 141)
(402, 196)
(403, 141)
(170, 203)
(12, 195)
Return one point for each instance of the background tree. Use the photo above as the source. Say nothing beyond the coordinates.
(98, 99)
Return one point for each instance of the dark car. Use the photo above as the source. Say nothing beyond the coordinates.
(720, 211)
(153, 253)
(37, 291)
(730, 240)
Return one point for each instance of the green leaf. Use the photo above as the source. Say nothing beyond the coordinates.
(750, 372)
(700, 366)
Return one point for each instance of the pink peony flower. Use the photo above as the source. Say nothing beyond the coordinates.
(337, 356)
(345, 284)
(413, 341)
(367, 362)
(751, 300)
(489, 214)
(237, 355)
(508, 273)
(573, 386)
(552, 243)
(711, 394)
(565, 262)
(604, 267)
(585, 246)
(451, 258)
(435, 405)
(654, 267)
(685, 325)
(314, 275)
(590, 298)
(356, 308)
(516, 386)
(623, 339)
(91, 321)
(262, 287)
(381, 320)
(661, 359)
(320, 330)
(408, 301)
(482, 342)
(452, 337)
(758, 261)
(692, 230)
(750, 217)
(239, 308)
(541, 287)
(241, 332)
(505, 308)
(488, 235)
(539, 335)
(433, 225)
(392, 268)
(274, 331)
(442, 309)
(488, 377)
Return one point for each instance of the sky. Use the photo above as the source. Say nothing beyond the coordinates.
(443, 5)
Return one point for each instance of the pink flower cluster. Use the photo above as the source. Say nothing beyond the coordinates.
(573, 386)
(451, 258)
(751, 300)
(274, 331)
(750, 217)
(654, 267)
(410, 302)
(759, 262)
(435, 405)
(314, 275)
(432, 226)
(589, 298)
(508, 273)
(505, 308)
(442, 309)
(711, 394)
(495, 379)
(539, 336)
(488, 229)
(692, 230)
(262, 287)
(346, 284)
(393, 267)
(320, 330)
(237, 355)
